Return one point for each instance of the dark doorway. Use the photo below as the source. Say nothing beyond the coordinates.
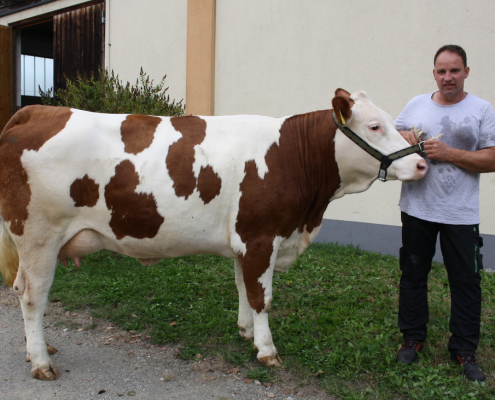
(52, 47)
(36, 61)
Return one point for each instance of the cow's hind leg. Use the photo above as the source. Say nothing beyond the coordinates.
(51, 351)
(32, 285)
(245, 318)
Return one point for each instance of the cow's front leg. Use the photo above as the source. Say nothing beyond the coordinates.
(245, 317)
(32, 289)
(267, 353)
(257, 269)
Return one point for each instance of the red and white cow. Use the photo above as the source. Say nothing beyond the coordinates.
(250, 188)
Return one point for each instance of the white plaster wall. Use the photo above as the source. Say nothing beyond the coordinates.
(151, 34)
(282, 57)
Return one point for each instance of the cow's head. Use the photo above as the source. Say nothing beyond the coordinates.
(377, 128)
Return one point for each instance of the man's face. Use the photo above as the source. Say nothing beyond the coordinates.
(449, 73)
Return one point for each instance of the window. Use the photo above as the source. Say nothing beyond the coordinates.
(36, 72)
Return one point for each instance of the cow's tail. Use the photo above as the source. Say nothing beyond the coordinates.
(9, 257)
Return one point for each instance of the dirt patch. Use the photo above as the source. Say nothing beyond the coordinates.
(100, 361)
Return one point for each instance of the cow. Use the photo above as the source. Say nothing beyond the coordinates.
(250, 188)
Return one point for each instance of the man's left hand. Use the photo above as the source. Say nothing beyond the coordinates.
(437, 150)
(482, 160)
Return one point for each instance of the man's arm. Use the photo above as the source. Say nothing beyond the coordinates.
(475, 161)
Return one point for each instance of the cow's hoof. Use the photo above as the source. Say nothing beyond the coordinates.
(46, 374)
(271, 361)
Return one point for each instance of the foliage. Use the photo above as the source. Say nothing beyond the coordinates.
(105, 93)
(334, 316)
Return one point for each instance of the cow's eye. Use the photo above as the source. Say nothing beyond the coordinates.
(374, 127)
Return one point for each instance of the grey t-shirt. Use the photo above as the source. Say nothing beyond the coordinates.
(448, 194)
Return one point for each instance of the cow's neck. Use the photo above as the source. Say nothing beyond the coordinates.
(308, 151)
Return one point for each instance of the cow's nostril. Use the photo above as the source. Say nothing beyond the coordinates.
(422, 166)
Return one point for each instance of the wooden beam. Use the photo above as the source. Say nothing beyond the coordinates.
(6, 63)
(200, 69)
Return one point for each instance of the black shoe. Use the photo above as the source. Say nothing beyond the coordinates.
(408, 352)
(471, 368)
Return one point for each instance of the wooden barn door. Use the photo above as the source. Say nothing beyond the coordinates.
(6, 101)
(78, 43)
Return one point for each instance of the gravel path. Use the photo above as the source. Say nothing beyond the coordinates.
(103, 362)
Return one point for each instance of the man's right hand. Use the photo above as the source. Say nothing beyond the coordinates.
(410, 137)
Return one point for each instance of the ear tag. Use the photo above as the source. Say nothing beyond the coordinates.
(342, 118)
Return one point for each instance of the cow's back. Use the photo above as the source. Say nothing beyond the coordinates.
(153, 186)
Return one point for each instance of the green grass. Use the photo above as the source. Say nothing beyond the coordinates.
(334, 315)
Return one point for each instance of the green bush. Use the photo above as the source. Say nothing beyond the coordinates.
(105, 93)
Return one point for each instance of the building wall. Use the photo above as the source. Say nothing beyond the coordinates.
(151, 34)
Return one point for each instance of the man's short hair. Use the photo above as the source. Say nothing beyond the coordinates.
(453, 48)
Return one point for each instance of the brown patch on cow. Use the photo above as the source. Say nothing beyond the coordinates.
(84, 192)
(29, 129)
(209, 184)
(180, 157)
(133, 214)
(302, 177)
(138, 132)
(254, 264)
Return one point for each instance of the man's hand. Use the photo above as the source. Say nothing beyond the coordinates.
(438, 150)
(413, 137)
(410, 137)
(475, 161)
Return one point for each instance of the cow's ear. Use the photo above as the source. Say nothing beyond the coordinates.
(342, 104)
(343, 93)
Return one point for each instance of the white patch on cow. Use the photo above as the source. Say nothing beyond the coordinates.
(70, 155)
(245, 320)
(263, 336)
(357, 169)
(292, 247)
(236, 242)
(267, 277)
(232, 140)
(151, 162)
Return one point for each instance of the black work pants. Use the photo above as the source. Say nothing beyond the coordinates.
(460, 246)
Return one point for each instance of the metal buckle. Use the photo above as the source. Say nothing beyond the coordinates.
(382, 175)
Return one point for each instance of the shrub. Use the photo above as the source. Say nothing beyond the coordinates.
(105, 93)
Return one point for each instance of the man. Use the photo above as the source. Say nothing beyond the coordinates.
(445, 202)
